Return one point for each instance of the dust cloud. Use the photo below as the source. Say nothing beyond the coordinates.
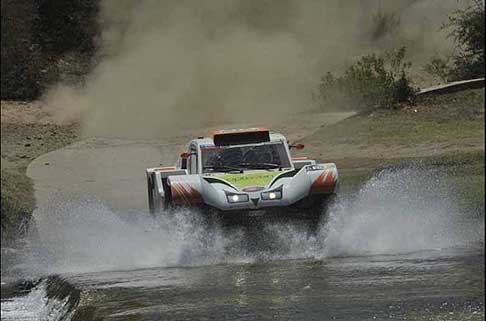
(167, 66)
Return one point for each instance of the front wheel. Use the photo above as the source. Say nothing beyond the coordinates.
(318, 211)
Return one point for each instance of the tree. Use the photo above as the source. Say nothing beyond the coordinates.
(468, 32)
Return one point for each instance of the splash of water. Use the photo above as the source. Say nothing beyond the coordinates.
(394, 212)
(401, 211)
(36, 306)
(88, 236)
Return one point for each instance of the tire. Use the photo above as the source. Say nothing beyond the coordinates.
(168, 204)
(150, 194)
(318, 212)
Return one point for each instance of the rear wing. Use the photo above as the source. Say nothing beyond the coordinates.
(157, 187)
(241, 136)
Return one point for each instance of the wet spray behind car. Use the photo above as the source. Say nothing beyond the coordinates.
(244, 173)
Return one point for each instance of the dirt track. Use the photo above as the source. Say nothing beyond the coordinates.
(112, 170)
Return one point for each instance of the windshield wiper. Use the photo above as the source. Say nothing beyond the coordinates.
(223, 168)
(260, 165)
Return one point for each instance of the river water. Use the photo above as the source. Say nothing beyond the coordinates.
(405, 245)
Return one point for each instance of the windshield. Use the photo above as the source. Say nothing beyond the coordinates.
(229, 158)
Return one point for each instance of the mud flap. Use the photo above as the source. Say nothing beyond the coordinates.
(167, 195)
(317, 214)
(150, 193)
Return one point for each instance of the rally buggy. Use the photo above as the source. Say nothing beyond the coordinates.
(246, 172)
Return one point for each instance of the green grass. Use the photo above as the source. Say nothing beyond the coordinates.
(17, 204)
(434, 119)
(404, 127)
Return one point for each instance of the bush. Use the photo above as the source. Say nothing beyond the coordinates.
(439, 67)
(17, 204)
(374, 81)
(38, 37)
(64, 26)
(19, 76)
(468, 32)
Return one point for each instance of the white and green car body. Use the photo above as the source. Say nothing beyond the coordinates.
(242, 171)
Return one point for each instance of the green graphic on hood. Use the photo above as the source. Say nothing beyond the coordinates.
(249, 180)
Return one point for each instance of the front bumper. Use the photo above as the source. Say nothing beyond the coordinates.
(254, 204)
(280, 214)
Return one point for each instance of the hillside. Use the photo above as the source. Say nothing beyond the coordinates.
(450, 126)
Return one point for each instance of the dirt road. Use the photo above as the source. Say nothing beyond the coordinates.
(112, 170)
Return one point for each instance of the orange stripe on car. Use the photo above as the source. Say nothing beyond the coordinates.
(325, 183)
(185, 195)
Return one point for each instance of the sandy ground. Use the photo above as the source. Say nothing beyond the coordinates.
(65, 166)
(113, 170)
(28, 131)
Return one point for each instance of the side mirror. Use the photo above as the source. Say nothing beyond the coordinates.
(297, 146)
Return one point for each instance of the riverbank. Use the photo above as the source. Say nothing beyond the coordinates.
(445, 128)
(27, 132)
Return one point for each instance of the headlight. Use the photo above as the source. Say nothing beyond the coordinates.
(276, 194)
(237, 198)
(311, 168)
